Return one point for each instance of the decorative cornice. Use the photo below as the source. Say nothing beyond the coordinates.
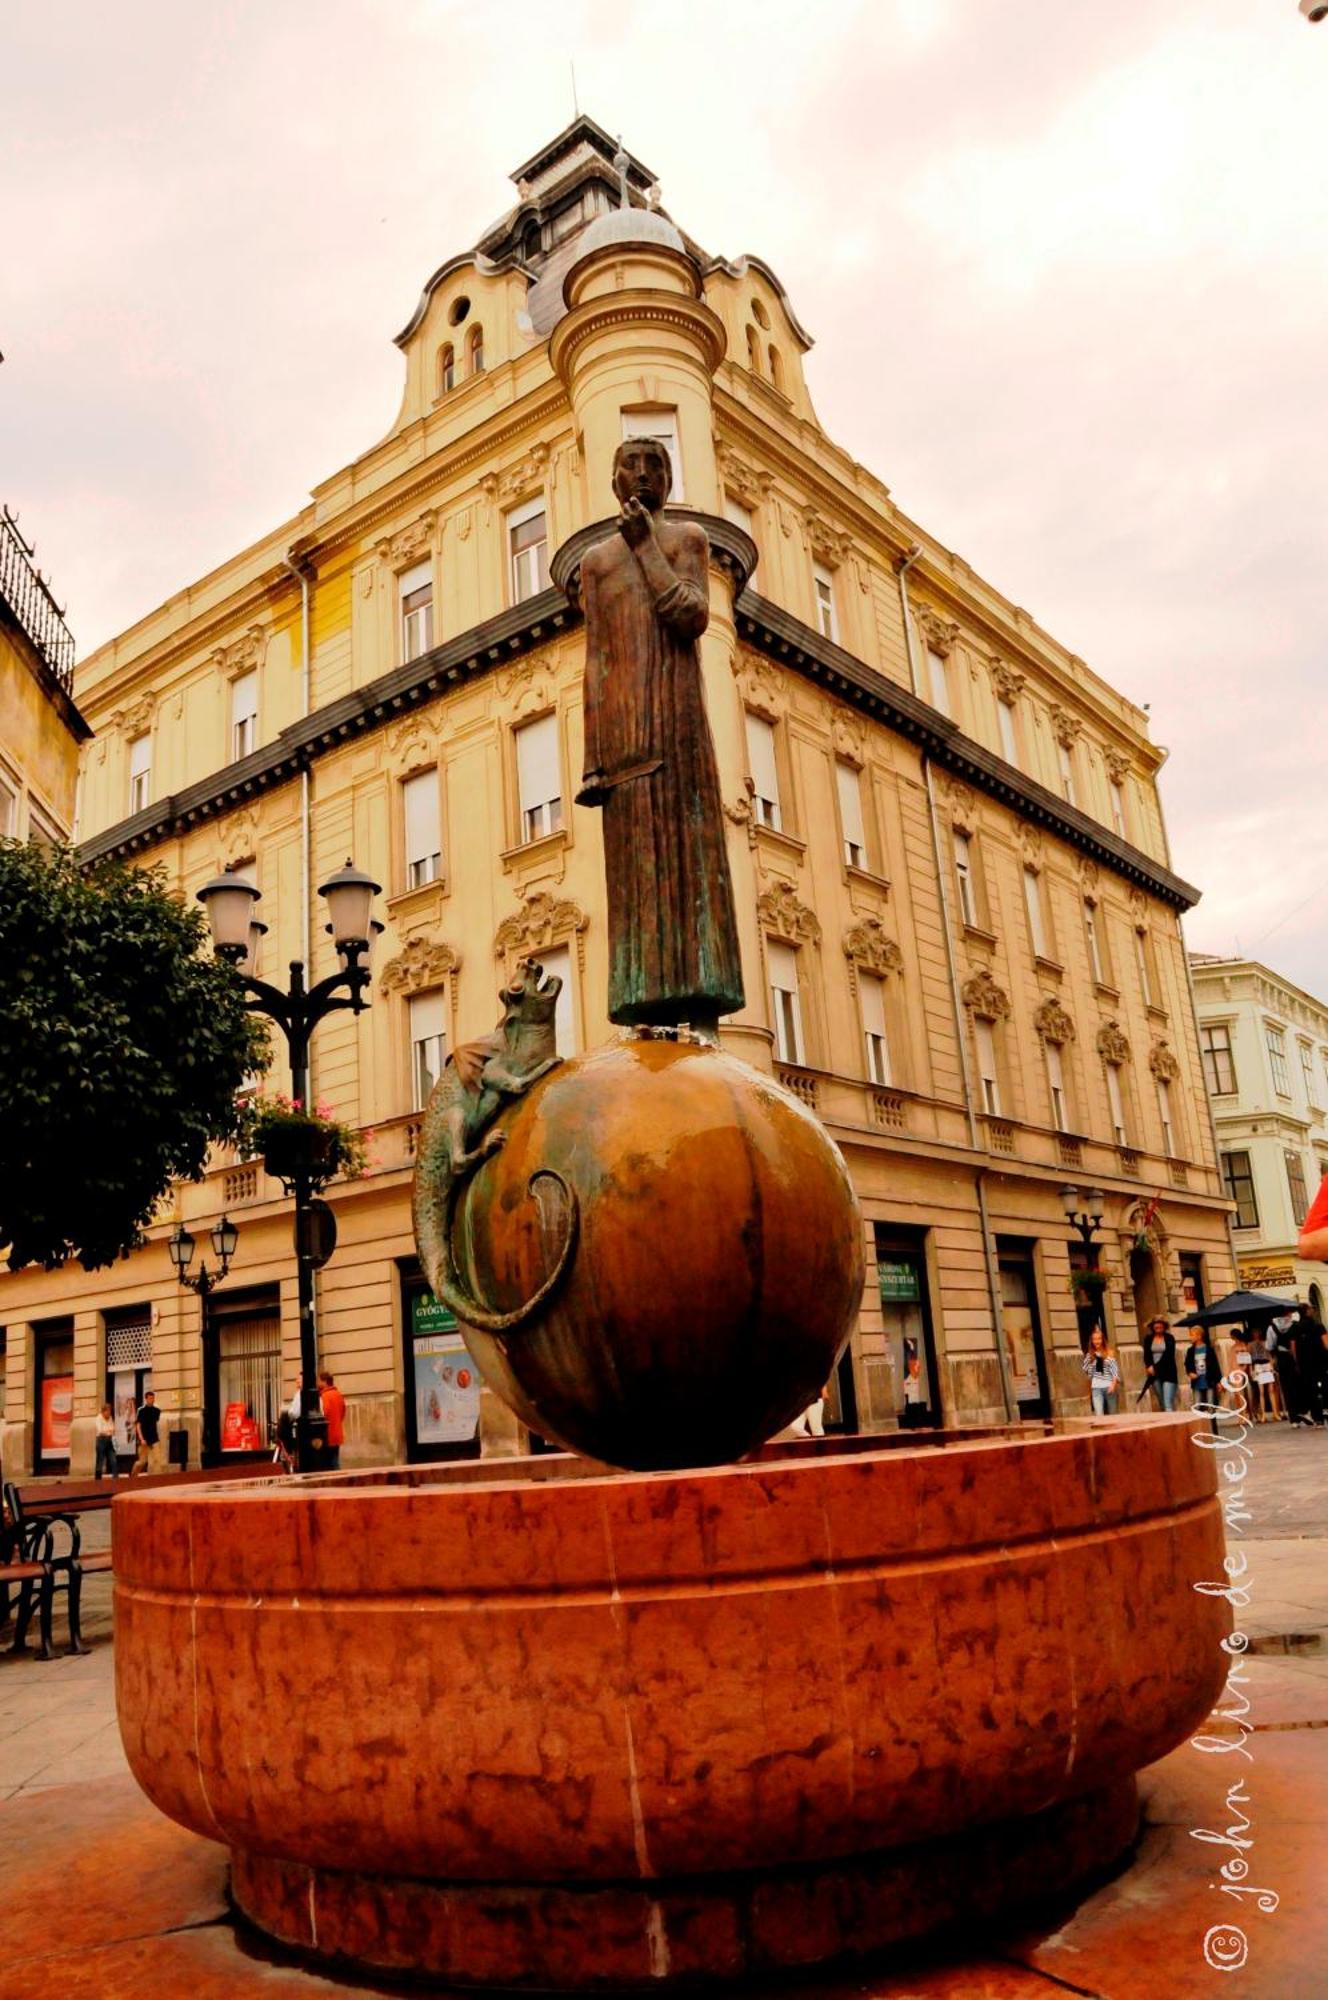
(628, 309)
(411, 543)
(1066, 727)
(136, 718)
(828, 544)
(866, 945)
(941, 634)
(421, 964)
(1163, 1062)
(542, 922)
(1112, 1044)
(785, 917)
(768, 629)
(1054, 1024)
(1008, 682)
(983, 997)
(242, 655)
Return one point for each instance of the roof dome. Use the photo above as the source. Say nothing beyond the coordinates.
(629, 226)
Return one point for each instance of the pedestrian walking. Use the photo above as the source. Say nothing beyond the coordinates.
(1159, 1346)
(334, 1409)
(104, 1446)
(1310, 1340)
(1103, 1371)
(1279, 1338)
(149, 1456)
(1266, 1401)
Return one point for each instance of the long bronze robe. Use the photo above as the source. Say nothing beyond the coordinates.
(650, 764)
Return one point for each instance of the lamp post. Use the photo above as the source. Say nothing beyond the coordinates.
(229, 901)
(1086, 1221)
(180, 1249)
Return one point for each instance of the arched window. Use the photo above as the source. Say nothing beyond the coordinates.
(753, 350)
(776, 367)
(475, 349)
(446, 368)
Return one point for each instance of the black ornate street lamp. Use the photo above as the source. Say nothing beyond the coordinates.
(1086, 1221)
(180, 1249)
(229, 902)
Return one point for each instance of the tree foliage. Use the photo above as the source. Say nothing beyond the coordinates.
(121, 1050)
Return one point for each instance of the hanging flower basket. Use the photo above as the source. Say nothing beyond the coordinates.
(1089, 1281)
(296, 1144)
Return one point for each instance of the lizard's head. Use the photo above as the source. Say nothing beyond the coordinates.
(530, 996)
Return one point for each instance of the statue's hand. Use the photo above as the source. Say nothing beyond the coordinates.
(635, 524)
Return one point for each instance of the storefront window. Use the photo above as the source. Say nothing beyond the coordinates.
(443, 1383)
(901, 1272)
(248, 1380)
(55, 1392)
(1022, 1332)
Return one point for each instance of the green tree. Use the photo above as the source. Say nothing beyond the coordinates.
(121, 1050)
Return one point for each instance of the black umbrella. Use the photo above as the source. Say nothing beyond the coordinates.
(1238, 1307)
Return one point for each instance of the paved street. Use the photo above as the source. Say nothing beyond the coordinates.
(57, 1729)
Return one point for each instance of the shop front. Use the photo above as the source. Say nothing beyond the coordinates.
(241, 1375)
(910, 1345)
(53, 1386)
(442, 1383)
(1021, 1328)
(128, 1375)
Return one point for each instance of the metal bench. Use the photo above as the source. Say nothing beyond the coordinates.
(33, 1534)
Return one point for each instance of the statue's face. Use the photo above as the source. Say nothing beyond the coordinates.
(641, 472)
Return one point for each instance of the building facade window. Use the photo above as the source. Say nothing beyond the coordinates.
(539, 777)
(1218, 1063)
(1116, 1105)
(1060, 1107)
(421, 809)
(244, 714)
(1117, 792)
(741, 517)
(824, 584)
(763, 765)
(1095, 937)
(965, 877)
(1143, 960)
(1238, 1177)
(1037, 929)
(428, 1045)
(415, 590)
(446, 368)
(1307, 1071)
(938, 680)
(1277, 1061)
(776, 368)
(785, 1007)
(663, 426)
(557, 964)
(753, 350)
(1300, 1198)
(1169, 1146)
(848, 781)
(8, 810)
(1008, 736)
(1065, 764)
(989, 1082)
(871, 996)
(475, 349)
(140, 773)
(528, 551)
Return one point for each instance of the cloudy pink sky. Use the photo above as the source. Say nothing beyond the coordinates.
(1066, 265)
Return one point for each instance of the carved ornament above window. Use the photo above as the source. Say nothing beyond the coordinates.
(867, 946)
(983, 997)
(1112, 1045)
(1054, 1024)
(423, 963)
(783, 916)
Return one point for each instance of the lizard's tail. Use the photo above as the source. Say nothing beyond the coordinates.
(433, 1234)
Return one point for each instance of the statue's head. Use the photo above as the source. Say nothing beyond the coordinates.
(642, 470)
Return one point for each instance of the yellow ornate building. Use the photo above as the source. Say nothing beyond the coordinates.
(40, 727)
(960, 931)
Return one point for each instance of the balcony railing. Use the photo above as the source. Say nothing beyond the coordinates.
(25, 591)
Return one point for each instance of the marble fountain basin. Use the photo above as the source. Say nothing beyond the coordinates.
(531, 1722)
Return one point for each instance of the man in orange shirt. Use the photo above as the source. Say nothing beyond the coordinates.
(334, 1409)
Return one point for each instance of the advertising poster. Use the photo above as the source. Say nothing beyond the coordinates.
(447, 1383)
(57, 1415)
(124, 1403)
(239, 1429)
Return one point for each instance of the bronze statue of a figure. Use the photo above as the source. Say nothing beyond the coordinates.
(650, 760)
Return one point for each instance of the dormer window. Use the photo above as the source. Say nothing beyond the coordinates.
(753, 350)
(446, 368)
(475, 350)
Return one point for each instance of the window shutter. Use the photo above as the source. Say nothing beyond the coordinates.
(849, 782)
(244, 698)
(761, 757)
(558, 964)
(140, 756)
(428, 1016)
(420, 796)
(420, 577)
(537, 762)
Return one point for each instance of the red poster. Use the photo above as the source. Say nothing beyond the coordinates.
(57, 1414)
(239, 1429)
